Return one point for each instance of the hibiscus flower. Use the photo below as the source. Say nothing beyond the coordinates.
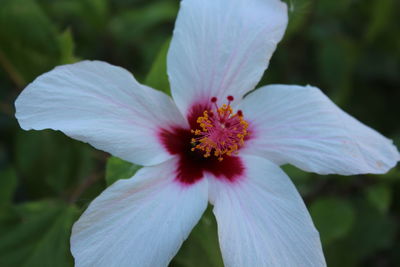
(208, 144)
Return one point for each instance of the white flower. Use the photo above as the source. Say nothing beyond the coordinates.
(231, 158)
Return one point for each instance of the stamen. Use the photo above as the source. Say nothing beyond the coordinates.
(221, 132)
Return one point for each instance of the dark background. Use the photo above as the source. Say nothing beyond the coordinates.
(348, 48)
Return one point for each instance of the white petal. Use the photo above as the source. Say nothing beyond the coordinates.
(139, 222)
(222, 47)
(103, 105)
(262, 220)
(301, 126)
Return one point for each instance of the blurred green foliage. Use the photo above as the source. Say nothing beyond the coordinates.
(349, 48)
(117, 169)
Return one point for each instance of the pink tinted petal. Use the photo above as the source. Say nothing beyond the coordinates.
(103, 105)
(262, 220)
(301, 126)
(141, 221)
(222, 47)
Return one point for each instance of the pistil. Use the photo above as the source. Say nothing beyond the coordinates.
(221, 131)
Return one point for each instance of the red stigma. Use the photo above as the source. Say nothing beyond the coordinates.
(214, 99)
(240, 113)
(230, 98)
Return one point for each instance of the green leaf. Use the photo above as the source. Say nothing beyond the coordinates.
(299, 11)
(50, 163)
(372, 231)
(381, 18)
(37, 234)
(98, 11)
(140, 21)
(157, 77)
(29, 44)
(380, 197)
(332, 8)
(119, 169)
(88, 15)
(337, 60)
(333, 218)
(8, 183)
(300, 178)
(140, 31)
(201, 249)
(67, 47)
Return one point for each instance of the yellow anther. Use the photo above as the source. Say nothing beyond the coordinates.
(221, 132)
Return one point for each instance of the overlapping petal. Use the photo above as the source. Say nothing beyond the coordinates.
(301, 126)
(103, 105)
(262, 220)
(222, 47)
(141, 221)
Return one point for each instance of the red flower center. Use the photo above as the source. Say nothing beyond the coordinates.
(221, 131)
(210, 146)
